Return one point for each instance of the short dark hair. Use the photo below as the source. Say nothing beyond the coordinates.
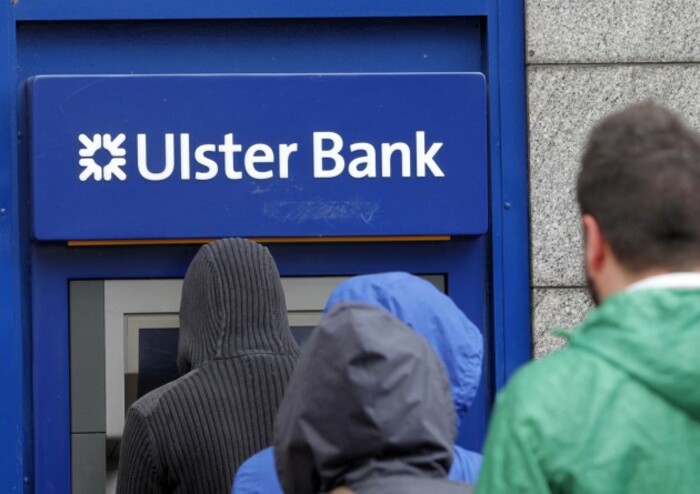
(640, 180)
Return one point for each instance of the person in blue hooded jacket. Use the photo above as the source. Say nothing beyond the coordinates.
(456, 340)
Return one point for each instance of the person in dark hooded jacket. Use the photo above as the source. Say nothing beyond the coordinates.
(236, 352)
(368, 408)
(432, 314)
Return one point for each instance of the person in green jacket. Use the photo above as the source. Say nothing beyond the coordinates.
(618, 410)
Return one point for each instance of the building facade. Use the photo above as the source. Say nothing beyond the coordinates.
(585, 60)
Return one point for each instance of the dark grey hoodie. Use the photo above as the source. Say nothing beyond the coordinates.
(368, 407)
(237, 353)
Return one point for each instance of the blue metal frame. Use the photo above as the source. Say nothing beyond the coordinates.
(510, 291)
(15, 378)
(515, 276)
(509, 188)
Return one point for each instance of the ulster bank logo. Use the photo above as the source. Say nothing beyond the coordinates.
(102, 158)
(102, 169)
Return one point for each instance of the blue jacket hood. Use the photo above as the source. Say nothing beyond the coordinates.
(416, 302)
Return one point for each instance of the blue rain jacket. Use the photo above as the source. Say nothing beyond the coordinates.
(455, 339)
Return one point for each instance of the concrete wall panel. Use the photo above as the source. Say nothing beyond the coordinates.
(593, 31)
(564, 103)
(556, 308)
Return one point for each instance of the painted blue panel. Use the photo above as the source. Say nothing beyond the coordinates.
(516, 231)
(509, 191)
(177, 144)
(164, 9)
(15, 368)
(254, 46)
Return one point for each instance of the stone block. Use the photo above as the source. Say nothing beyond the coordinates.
(564, 104)
(588, 31)
(556, 308)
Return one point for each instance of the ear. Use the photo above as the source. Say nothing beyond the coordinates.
(594, 245)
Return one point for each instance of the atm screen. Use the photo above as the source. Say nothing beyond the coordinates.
(157, 359)
(150, 355)
(155, 350)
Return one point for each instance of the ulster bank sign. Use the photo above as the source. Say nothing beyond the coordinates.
(258, 155)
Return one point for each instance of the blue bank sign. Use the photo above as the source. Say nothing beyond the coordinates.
(123, 157)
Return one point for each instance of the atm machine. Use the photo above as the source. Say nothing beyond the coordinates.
(123, 344)
(348, 137)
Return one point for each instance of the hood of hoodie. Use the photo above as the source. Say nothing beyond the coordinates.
(368, 398)
(432, 314)
(232, 304)
(653, 335)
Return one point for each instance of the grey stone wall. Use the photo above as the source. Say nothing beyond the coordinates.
(586, 58)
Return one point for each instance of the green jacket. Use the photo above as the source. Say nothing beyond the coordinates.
(618, 411)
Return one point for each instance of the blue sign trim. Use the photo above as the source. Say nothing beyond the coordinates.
(258, 155)
(46, 10)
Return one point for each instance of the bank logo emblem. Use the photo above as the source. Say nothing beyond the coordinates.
(95, 170)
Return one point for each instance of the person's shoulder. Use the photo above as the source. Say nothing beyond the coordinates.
(153, 400)
(546, 371)
(466, 465)
(257, 475)
(259, 466)
(557, 382)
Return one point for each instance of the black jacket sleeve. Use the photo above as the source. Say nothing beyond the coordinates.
(138, 468)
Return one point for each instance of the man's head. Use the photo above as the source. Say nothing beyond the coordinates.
(639, 194)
